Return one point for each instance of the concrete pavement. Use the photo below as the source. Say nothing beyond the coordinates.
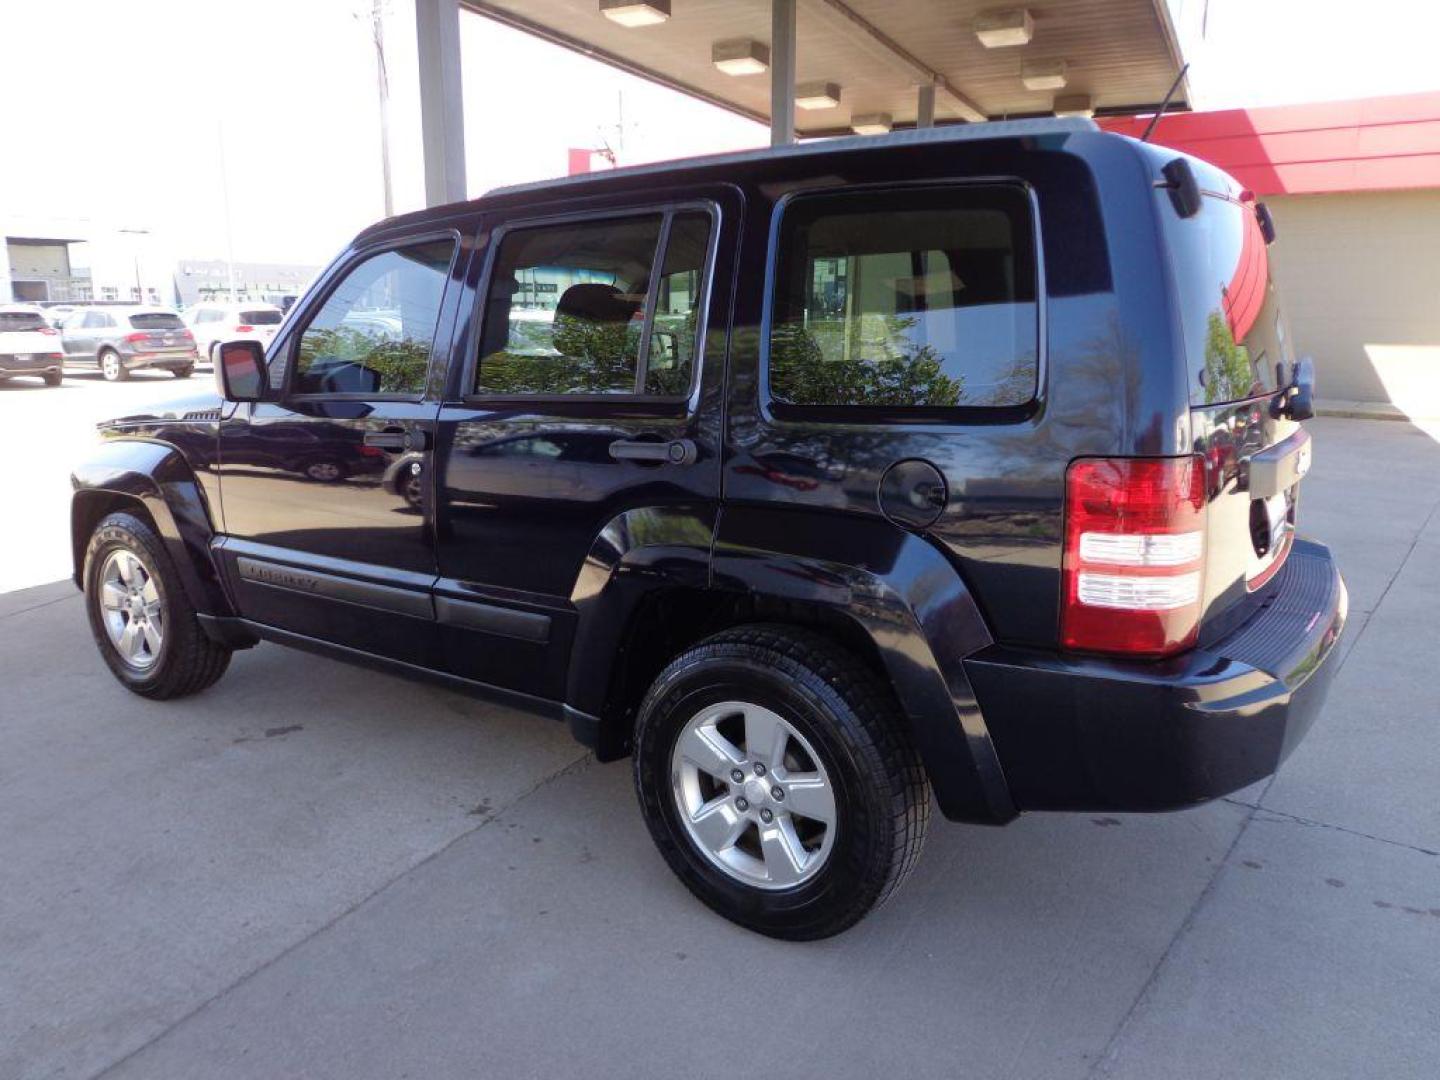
(316, 871)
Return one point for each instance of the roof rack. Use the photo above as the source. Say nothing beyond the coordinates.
(951, 133)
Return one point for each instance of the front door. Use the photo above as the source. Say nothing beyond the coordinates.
(327, 517)
(589, 403)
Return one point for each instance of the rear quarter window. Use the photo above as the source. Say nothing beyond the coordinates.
(915, 300)
(1230, 317)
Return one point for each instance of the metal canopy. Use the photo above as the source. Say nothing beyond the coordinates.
(1122, 53)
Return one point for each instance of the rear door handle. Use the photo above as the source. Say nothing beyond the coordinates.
(674, 452)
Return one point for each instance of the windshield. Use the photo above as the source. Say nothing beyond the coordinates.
(156, 320)
(1229, 309)
(260, 318)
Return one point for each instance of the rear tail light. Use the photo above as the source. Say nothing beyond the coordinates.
(187, 335)
(49, 331)
(244, 329)
(139, 335)
(1134, 551)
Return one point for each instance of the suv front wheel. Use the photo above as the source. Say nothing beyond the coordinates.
(140, 616)
(777, 782)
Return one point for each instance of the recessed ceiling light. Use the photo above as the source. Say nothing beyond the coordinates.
(740, 56)
(1004, 29)
(1074, 105)
(817, 95)
(1043, 75)
(631, 13)
(871, 124)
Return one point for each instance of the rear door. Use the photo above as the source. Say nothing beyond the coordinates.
(589, 400)
(80, 334)
(1238, 355)
(321, 539)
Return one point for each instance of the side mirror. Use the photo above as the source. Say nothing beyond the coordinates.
(1297, 401)
(241, 371)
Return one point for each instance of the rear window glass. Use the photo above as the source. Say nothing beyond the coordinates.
(1229, 310)
(22, 320)
(156, 320)
(924, 299)
(260, 318)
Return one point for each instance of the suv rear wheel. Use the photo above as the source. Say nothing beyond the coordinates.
(777, 782)
(140, 616)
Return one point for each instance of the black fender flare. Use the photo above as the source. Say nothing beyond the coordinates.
(156, 475)
(637, 552)
(916, 609)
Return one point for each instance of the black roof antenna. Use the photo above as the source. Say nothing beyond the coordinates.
(1161, 111)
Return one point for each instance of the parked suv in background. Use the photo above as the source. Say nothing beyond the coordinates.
(213, 324)
(29, 345)
(960, 462)
(122, 339)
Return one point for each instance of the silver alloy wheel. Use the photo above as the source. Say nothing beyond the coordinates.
(323, 471)
(130, 608)
(110, 364)
(753, 794)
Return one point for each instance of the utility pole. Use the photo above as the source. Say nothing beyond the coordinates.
(229, 227)
(135, 258)
(382, 86)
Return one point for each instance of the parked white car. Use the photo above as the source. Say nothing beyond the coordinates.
(213, 324)
(29, 345)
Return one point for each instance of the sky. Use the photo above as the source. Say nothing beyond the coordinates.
(141, 114)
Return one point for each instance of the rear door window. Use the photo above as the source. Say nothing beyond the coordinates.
(578, 307)
(11, 321)
(921, 300)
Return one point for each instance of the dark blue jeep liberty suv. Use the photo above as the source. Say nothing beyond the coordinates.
(819, 481)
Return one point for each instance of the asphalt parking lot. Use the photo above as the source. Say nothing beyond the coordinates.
(317, 871)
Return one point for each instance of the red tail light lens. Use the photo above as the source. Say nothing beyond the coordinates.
(1134, 552)
(244, 329)
(49, 331)
(139, 335)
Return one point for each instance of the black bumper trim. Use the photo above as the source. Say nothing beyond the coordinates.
(1077, 733)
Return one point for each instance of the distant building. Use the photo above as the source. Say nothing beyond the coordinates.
(38, 268)
(198, 280)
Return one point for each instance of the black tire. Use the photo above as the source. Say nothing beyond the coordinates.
(187, 661)
(53, 378)
(849, 717)
(121, 372)
(183, 373)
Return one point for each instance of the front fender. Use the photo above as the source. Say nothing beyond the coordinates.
(156, 475)
(916, 610)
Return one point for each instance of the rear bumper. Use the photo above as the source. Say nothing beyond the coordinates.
(168, 359)
(42, 364)
(1078, 733)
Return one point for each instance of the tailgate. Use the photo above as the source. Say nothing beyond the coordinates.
(1254, 468)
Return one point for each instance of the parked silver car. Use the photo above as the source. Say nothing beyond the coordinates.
(122, 339)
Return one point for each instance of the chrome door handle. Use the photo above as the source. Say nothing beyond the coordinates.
(674, 452)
